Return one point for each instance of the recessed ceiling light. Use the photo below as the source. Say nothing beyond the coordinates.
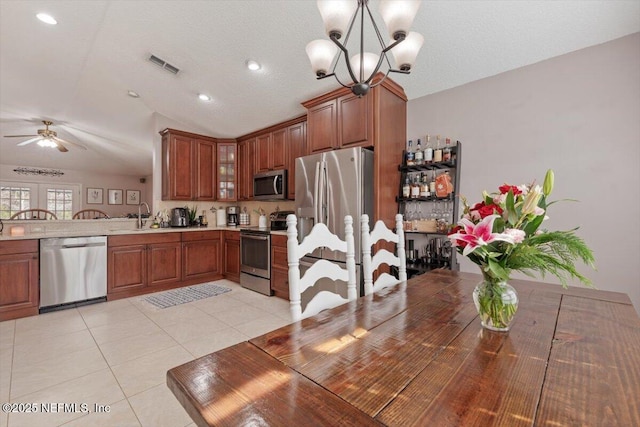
(47, 19)
(253, 65)
(204, 97)
(133, 94)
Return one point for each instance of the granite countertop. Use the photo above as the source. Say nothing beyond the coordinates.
(98, 231)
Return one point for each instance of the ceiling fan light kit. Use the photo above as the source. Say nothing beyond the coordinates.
(47, 138)
(339, 17)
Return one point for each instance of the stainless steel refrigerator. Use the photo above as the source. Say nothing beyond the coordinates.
(329, 186)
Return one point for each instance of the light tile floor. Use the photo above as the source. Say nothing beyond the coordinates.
(117, 354)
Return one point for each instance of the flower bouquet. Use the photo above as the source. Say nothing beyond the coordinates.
(502, 234)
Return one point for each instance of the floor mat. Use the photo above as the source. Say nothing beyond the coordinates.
(186, 294)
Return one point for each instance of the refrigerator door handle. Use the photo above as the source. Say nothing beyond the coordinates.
(316, 195)
(325, 195)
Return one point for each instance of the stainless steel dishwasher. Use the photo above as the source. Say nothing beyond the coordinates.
(73, 271)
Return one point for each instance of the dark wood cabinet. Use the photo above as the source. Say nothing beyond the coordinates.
(278, 149)
(227, 171)
(355, 124)
(279, 266)
(322, 125)
(247, 168)
(296, 147)
(204, 180)
(19, 274)
(263, 151)
(339, 119)
(272, 148)
(139, 264)
(188, 166)
(231, 263)
(201, 255)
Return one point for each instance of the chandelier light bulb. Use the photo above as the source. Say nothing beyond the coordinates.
(321, 54)
(406, 53)
(336, 15)
(398, 16)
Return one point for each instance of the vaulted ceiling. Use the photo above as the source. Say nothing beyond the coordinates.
(77, 73)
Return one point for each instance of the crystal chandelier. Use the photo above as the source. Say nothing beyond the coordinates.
(339, 17)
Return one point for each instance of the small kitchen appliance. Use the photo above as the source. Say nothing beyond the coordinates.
(279, 219)
(179, 217)
(233, 213)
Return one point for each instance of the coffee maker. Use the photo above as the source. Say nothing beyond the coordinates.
(233, 212)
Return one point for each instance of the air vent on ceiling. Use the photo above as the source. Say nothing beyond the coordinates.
(164, 65)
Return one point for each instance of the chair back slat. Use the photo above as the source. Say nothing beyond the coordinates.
(320, 236)
(90, 214)
(34, 214)
(383, 256)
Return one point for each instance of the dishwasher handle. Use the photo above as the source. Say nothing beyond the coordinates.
(82, 245)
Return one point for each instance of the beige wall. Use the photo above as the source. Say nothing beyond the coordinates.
(90, 180)
(578, 114)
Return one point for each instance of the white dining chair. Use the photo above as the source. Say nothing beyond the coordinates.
(319, 236)
(382, 256)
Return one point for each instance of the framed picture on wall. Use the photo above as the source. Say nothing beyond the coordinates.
(115, 197)
(94, 196)
(133, 197)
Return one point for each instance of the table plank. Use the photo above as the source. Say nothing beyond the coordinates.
(302, 342)
(594, 368)
(242, 385)
(483, 377)
(378, 366)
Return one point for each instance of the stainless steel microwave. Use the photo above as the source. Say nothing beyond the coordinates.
(270, 185)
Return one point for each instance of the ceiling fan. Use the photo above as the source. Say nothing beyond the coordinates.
(47, 138)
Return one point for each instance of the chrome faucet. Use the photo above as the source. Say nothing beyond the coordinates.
(140, 213)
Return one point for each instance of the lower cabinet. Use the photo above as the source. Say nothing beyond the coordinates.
(201, 255)
(19, 271)
(136, 262)
(231, 263)
(143, 263)
(279, 266)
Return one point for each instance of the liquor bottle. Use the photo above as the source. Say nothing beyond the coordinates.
(424, 186)
(415, 188)
(410, 155)
(428, 151)
(446, 153)
(406, 188)
(432, 184)
(417, 157)
(437, 153)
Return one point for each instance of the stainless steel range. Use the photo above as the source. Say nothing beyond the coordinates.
(255, 254)
(255, 260)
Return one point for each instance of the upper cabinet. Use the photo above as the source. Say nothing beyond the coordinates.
(378, 120)
(296, 146)
(227, 171)
(246, 168)
(189, 163)
(273, 148)
(340, 122)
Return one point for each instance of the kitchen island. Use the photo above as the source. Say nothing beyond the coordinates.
(415, 354)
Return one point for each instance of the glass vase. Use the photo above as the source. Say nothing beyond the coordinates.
(497, 303)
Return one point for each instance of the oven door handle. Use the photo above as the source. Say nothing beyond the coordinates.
(252, 237)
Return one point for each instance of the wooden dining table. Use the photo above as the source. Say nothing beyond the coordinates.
(416, 355)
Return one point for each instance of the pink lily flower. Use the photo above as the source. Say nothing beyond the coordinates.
(476, 235)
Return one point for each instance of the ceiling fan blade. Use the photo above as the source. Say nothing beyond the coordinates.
(29, 141)
(59, 144)
(75, 144)
(18, 136)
